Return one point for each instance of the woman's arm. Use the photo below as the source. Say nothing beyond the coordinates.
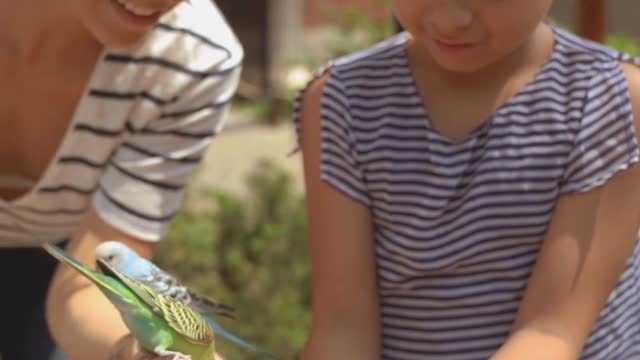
(140, 191)
(590, 239)
(345, 300)
(82, 321)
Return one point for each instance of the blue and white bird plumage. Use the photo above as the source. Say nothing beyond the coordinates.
(130, 263)
(144, 271)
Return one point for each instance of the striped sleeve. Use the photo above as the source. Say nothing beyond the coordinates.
(606, 142)
(340, 166)
(143, 186)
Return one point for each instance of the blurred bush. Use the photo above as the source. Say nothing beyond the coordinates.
(355, 30)
(625, 44)
(352, 30)
(250, 253)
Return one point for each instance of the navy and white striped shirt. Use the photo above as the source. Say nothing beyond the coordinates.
(143, 124)
(459, 224)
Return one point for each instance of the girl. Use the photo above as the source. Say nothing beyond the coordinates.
(107, 106)
(473, 191)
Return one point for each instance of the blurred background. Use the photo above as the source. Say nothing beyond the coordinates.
(241, 236)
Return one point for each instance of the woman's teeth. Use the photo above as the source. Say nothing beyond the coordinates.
(135, 9)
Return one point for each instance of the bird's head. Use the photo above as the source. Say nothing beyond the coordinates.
(115, 254)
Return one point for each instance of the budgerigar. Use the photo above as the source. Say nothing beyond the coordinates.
(161, 324)
(129, 262)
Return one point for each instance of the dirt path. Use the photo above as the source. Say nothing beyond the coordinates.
(235, 152)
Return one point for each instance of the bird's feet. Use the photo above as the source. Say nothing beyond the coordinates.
(174, 354)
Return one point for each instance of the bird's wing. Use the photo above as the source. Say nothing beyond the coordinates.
(207, 306)
(166, 284)
(178, 315)
(184, 320)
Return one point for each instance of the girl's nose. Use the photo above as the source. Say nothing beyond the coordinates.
(450, 17)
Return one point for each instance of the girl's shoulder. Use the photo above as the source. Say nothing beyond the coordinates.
(581, 54)
(385, 54)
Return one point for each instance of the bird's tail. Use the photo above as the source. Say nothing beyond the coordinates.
(111, 287)
(219, 330)
(208, 306)
(66, 258)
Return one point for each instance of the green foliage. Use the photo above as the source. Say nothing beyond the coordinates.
(351, 30)
(355, 30)
(625, 44)
(260, 110)
(250, 253)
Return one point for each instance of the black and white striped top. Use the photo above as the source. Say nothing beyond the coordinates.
(458, 224)
(144, 122)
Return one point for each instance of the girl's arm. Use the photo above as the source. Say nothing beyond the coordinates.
(345, 300)
(590, 239)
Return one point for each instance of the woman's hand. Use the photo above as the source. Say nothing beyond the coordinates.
(127, 348)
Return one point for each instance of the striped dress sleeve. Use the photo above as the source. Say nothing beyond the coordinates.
(143, 186)
(606, 142)
(340, 166)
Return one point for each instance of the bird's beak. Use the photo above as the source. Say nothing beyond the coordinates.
(105, 268)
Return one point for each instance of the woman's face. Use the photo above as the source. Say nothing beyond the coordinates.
(120, 23)
(466, 35)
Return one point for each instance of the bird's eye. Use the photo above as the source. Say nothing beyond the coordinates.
(110, 258)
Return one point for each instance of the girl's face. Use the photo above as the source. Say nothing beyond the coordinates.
(467, 35)
(119, 23)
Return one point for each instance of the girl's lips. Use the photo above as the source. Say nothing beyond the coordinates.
(449, 45)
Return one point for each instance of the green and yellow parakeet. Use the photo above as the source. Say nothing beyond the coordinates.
(130, 263)
(162, 325)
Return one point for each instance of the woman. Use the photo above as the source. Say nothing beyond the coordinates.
(107, 107)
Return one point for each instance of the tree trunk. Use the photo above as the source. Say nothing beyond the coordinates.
(592, 19)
